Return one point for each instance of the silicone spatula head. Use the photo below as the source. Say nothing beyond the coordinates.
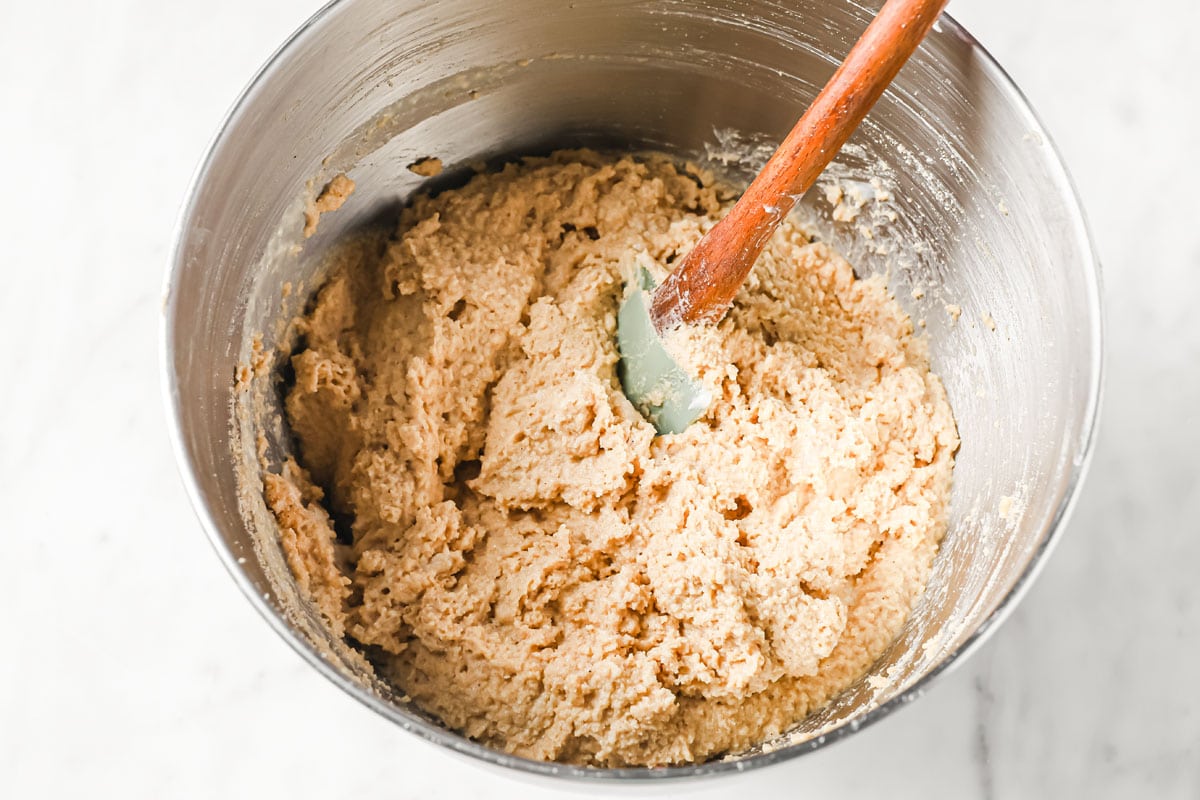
(653, 381)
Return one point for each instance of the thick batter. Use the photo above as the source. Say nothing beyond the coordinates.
(520, 554)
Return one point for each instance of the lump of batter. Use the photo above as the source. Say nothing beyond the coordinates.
(332, 197)
(515, 549)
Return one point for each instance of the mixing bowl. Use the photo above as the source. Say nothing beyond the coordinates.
(964, 205)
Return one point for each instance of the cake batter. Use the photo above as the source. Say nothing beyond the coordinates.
(478, 506)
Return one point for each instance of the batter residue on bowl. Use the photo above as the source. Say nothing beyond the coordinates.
(521, 555)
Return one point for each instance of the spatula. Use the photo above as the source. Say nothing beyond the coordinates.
(701, 289)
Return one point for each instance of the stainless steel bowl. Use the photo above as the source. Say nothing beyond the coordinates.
(977, 213)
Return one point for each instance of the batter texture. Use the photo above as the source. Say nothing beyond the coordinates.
(480, 508)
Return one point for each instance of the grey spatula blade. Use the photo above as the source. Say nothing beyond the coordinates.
(653, 381)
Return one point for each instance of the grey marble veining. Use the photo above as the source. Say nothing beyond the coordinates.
(133, 667)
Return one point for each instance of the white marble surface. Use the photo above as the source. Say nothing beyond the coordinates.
(132, 666)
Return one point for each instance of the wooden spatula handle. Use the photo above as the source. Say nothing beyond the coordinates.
(701, 288)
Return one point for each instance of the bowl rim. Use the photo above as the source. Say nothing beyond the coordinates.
(1063, 185)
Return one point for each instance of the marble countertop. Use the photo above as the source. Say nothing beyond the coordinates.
(118, 677)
